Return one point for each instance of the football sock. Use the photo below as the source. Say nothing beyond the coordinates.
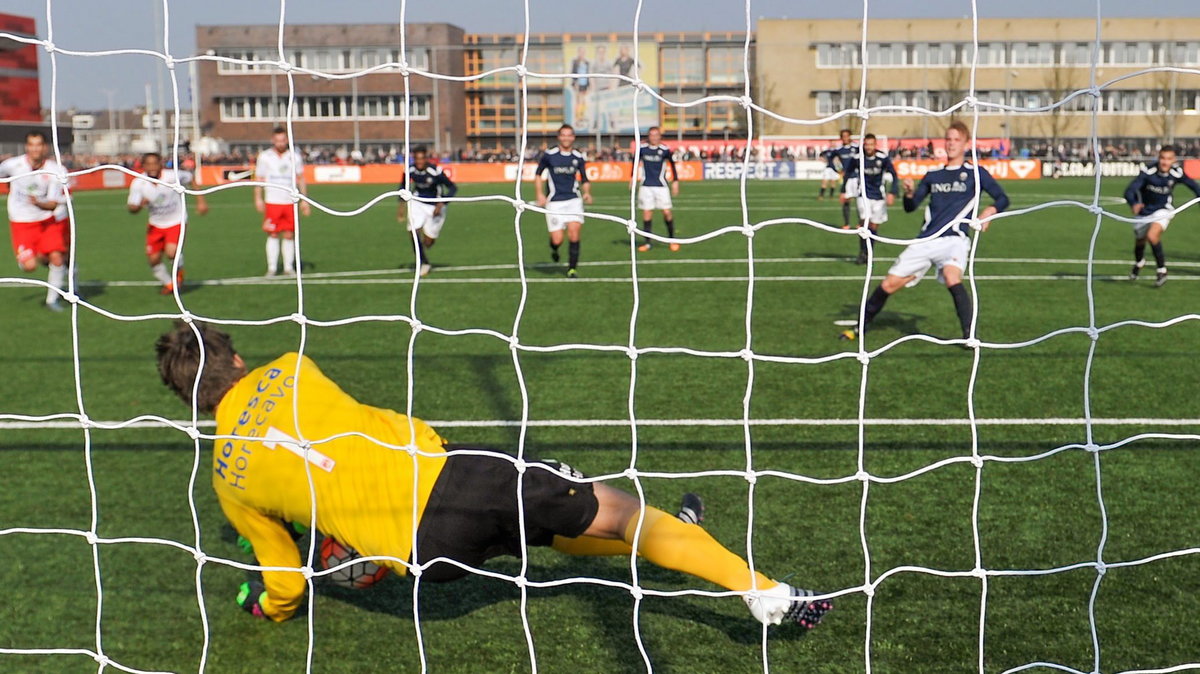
(289, 254)
(874, 305)
(272, 253)
(161, 273)
(1160, 258)
(821, 193)
(647, 225)
(670, 227)
(554, 246)
(573, 254)
(1139, 253)
(862, 246)
(420, 250)
(962, 305)
(846, 214)
(671, 544)
(179, 257)
(57, 279)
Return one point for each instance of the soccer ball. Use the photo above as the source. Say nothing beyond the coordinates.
(357, 576)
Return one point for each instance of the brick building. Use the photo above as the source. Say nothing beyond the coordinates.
(241, 102)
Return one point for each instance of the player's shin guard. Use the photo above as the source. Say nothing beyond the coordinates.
(161, 273)
(962, 305)
(874, 305)
(670, 222)
(573, 254)
(671, 544)
(57, 278)
(1139, 253)
(273, 254)
(1160, 258)
(289, 254)
(647, 225)
(846, 214)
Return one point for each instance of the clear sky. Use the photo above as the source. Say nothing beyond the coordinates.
(92, 25)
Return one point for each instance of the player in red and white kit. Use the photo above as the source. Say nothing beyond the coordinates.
(167, 216)
(277, 166)
(39, 236)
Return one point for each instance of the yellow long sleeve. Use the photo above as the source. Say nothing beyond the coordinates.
(366, 494)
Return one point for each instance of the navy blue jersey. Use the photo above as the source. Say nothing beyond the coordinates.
(828, 156)
(428, 183)
(652, 158)
(1153, 189)
(845, 158)
(951, 192)
(566, 173)
(873, 169)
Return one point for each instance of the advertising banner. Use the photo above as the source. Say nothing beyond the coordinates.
(604, 105)
(1001, 169)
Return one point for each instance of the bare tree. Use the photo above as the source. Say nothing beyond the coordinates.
(1060, 81)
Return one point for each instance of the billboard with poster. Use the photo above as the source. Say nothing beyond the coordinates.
(606, 105)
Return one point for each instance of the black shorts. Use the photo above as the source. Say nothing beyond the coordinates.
(473, 515)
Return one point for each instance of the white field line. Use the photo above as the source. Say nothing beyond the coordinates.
(328, 278)
(558, 279)
(408, 272)
(59, 422)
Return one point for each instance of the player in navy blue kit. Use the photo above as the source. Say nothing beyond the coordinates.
(1150, 195)
(872, 173)
(428, 183)
(845, 159)
(943, 239)
(569, 191)
(654, 194)
(829, 175)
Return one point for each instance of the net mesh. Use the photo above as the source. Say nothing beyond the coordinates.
(199, 431)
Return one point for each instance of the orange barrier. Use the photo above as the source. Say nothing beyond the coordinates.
(1001, 169)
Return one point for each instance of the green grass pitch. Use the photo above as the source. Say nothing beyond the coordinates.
(1036, 515)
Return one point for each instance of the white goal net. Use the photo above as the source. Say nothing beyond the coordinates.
(867, 352)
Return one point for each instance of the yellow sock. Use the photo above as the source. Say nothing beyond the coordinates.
(672, 544)
(590, 546)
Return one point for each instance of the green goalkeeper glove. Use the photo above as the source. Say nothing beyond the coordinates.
(250, 597)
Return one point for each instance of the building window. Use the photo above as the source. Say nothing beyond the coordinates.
(725, 117)
(886, 54)
(1033, 53)
(1181, 54)
(1131, 53)
(990, 54)
(935, 54)
(726, 65)
(681, 65)
(837, 55)
(371, 106)
(1077, 53)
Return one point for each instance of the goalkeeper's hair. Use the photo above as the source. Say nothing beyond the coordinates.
(1168, 148)
(179, 363)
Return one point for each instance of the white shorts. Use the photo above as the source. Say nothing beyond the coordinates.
(654, 198)
(850, 189)
(829, 174)
(559, 213)
(872, 210)
(420, 216)
(1162, 216)
(941, 251)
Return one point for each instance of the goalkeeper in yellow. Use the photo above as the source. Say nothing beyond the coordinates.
(466, 505)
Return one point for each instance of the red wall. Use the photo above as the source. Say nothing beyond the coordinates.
(20, 100)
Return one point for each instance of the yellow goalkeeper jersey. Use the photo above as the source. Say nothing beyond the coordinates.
(364, 491)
